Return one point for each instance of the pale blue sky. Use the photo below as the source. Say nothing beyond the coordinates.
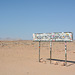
(22, 18)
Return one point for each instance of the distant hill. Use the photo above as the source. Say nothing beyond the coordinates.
(10, 39)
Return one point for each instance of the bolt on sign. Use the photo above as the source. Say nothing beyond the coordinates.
(56, 36)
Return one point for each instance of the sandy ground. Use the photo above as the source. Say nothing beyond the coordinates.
(21, 58)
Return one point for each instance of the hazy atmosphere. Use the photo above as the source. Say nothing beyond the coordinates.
(19, 19)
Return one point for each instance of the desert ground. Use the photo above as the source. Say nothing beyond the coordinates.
(22, 58)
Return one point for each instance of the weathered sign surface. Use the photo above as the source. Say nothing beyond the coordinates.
(56, 36)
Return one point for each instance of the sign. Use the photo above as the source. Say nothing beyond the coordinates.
(56, 36)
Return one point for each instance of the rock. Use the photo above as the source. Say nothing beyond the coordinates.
(41, 60)
(63, 64)
(55, 63)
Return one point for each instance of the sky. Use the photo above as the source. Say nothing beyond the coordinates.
(22, 18)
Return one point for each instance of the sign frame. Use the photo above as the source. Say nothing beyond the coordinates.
(51, 45)
(52, 38)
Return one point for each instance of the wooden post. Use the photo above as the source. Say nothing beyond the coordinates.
(50, 51)
(39, 51)
(65, 53)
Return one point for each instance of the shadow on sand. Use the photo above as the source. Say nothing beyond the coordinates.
(72, 62)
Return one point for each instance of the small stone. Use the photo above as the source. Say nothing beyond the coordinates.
(41, 60)
(63, 64)
(55, 63)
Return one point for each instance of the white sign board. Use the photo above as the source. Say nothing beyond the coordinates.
(56, 36)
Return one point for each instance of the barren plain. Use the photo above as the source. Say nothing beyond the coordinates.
(21, 58)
